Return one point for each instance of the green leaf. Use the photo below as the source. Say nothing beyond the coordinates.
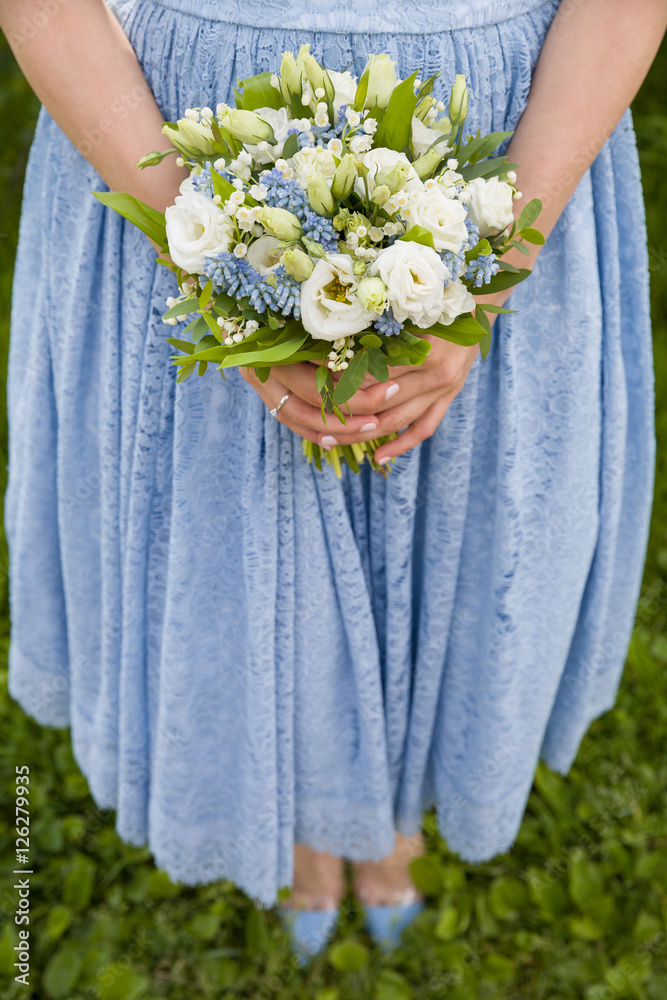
(530, 213)
(119, 981)
(487, 168)
(586, 882)
(257, 92)
(448, 924)
(584, 928)
(507, 897)
(181, 308)
(263, 373)
(205, 294)
(211, 324)
(506, 266)
(57, 922)
(391, 985)
(323, 379)
(485, 345)
(506, 279)
(417, 234)
(532, 236)
(200, 329)
(483, 320)
(348, 956)
(78, 887)
(351, 378)
(465, 330)
(486, 307)
(61, 972)
(185, 373)
(145, 218)
(282, 351)
(181, 345)
(371, 340)
(291, 146)
(221, 185)
(395, 129)
(377, 364)
(481, 147)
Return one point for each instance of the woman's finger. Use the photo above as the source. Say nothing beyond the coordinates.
(417, 432)
(393, 421)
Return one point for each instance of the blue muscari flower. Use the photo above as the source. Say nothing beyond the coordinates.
(482, 269)
(203, 182)
(387, 324)
(283, 192)
(238, 278)
(320, 229)
(456, 262)
(473, 234)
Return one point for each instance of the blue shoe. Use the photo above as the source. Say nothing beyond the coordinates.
(386, 923)
(309, 930)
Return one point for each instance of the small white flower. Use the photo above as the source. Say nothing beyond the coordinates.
(361, 144)
(221, 321)
(180, 162)
(237, 338)
(353, 118)
(238, 197)
(455, 301)
(221, 109)
(361, 232)
(258, 192)
(246, 218)
(490, 205)
(375, 234)
(440, 106)
(517, 196)
(370, 125)
(320, 92)
(343, 364)
(349, 354)
(452, 164)
(335, 146)
(275, 81)
(192, 114)
(352, 240)
(220, 163)
(171, 301)
(170, 322)
(240, 250)
(333, 355)
(206, 113)
(322, 120)
(441, 216)
(511, 176)
(339, 342)
(414, 276)
(252, 326)
(228, 341)
(217, 198)
(322, 107)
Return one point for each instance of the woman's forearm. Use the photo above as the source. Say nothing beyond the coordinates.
(593, 61)
(83, 69)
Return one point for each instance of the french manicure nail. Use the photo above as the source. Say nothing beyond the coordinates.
(387, 458)
(368, 427)
(391, 391)
(328, 441)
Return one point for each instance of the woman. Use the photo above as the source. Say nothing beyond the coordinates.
(267, 670)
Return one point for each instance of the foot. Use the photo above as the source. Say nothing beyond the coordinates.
(387, 882)
(319, 880)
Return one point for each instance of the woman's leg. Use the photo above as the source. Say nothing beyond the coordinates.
(387, 882)
(319, 880)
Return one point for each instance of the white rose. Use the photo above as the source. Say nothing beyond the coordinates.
(196, 227)
(313, 159)
(415, 278)
(329, 306)
(261, 256)
(345, 86)
(423, 137)
(490, 205)
(442, 216)
(380, 159)
(280, 123)
(456, 300)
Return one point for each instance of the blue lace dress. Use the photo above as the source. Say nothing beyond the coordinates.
(248, 651)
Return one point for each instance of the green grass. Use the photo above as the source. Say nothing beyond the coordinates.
(578, 909)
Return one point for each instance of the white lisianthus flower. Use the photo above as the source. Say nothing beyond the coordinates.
(456, 300)
(313, 159)
(423, 137)
(345, 87)
(329, 306)
(442, 216)
(490, 205)
(196, 227)
(361, 143)
(280, 123)
(384, 159)
(261, 254)
(415, 277)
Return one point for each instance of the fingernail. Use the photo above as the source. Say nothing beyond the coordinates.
(387, 458)
(368, 427)
(391, 391)
(328, 441)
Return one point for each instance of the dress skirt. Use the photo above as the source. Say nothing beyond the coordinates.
(251, 653)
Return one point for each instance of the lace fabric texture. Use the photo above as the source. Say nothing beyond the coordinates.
(250, 652)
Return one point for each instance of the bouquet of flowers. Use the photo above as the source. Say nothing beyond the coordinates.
(333, 220)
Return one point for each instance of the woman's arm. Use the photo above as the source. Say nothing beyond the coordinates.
(83, 69)
(593, 61)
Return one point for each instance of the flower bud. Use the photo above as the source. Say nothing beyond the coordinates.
(280, 223)
(372, 293)
(458, 101)
(316, 75)
(290, 78)
(319, 194)
(381, 194)
(395, 177)
(344, 177)
(247, 126)
(382, 80)
(424, 107)
(426, 164)
(297, 263)
(189, 137)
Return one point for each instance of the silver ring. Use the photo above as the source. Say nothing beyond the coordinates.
(274, 411)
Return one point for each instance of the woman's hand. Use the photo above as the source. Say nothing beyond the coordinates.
(415, 397)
